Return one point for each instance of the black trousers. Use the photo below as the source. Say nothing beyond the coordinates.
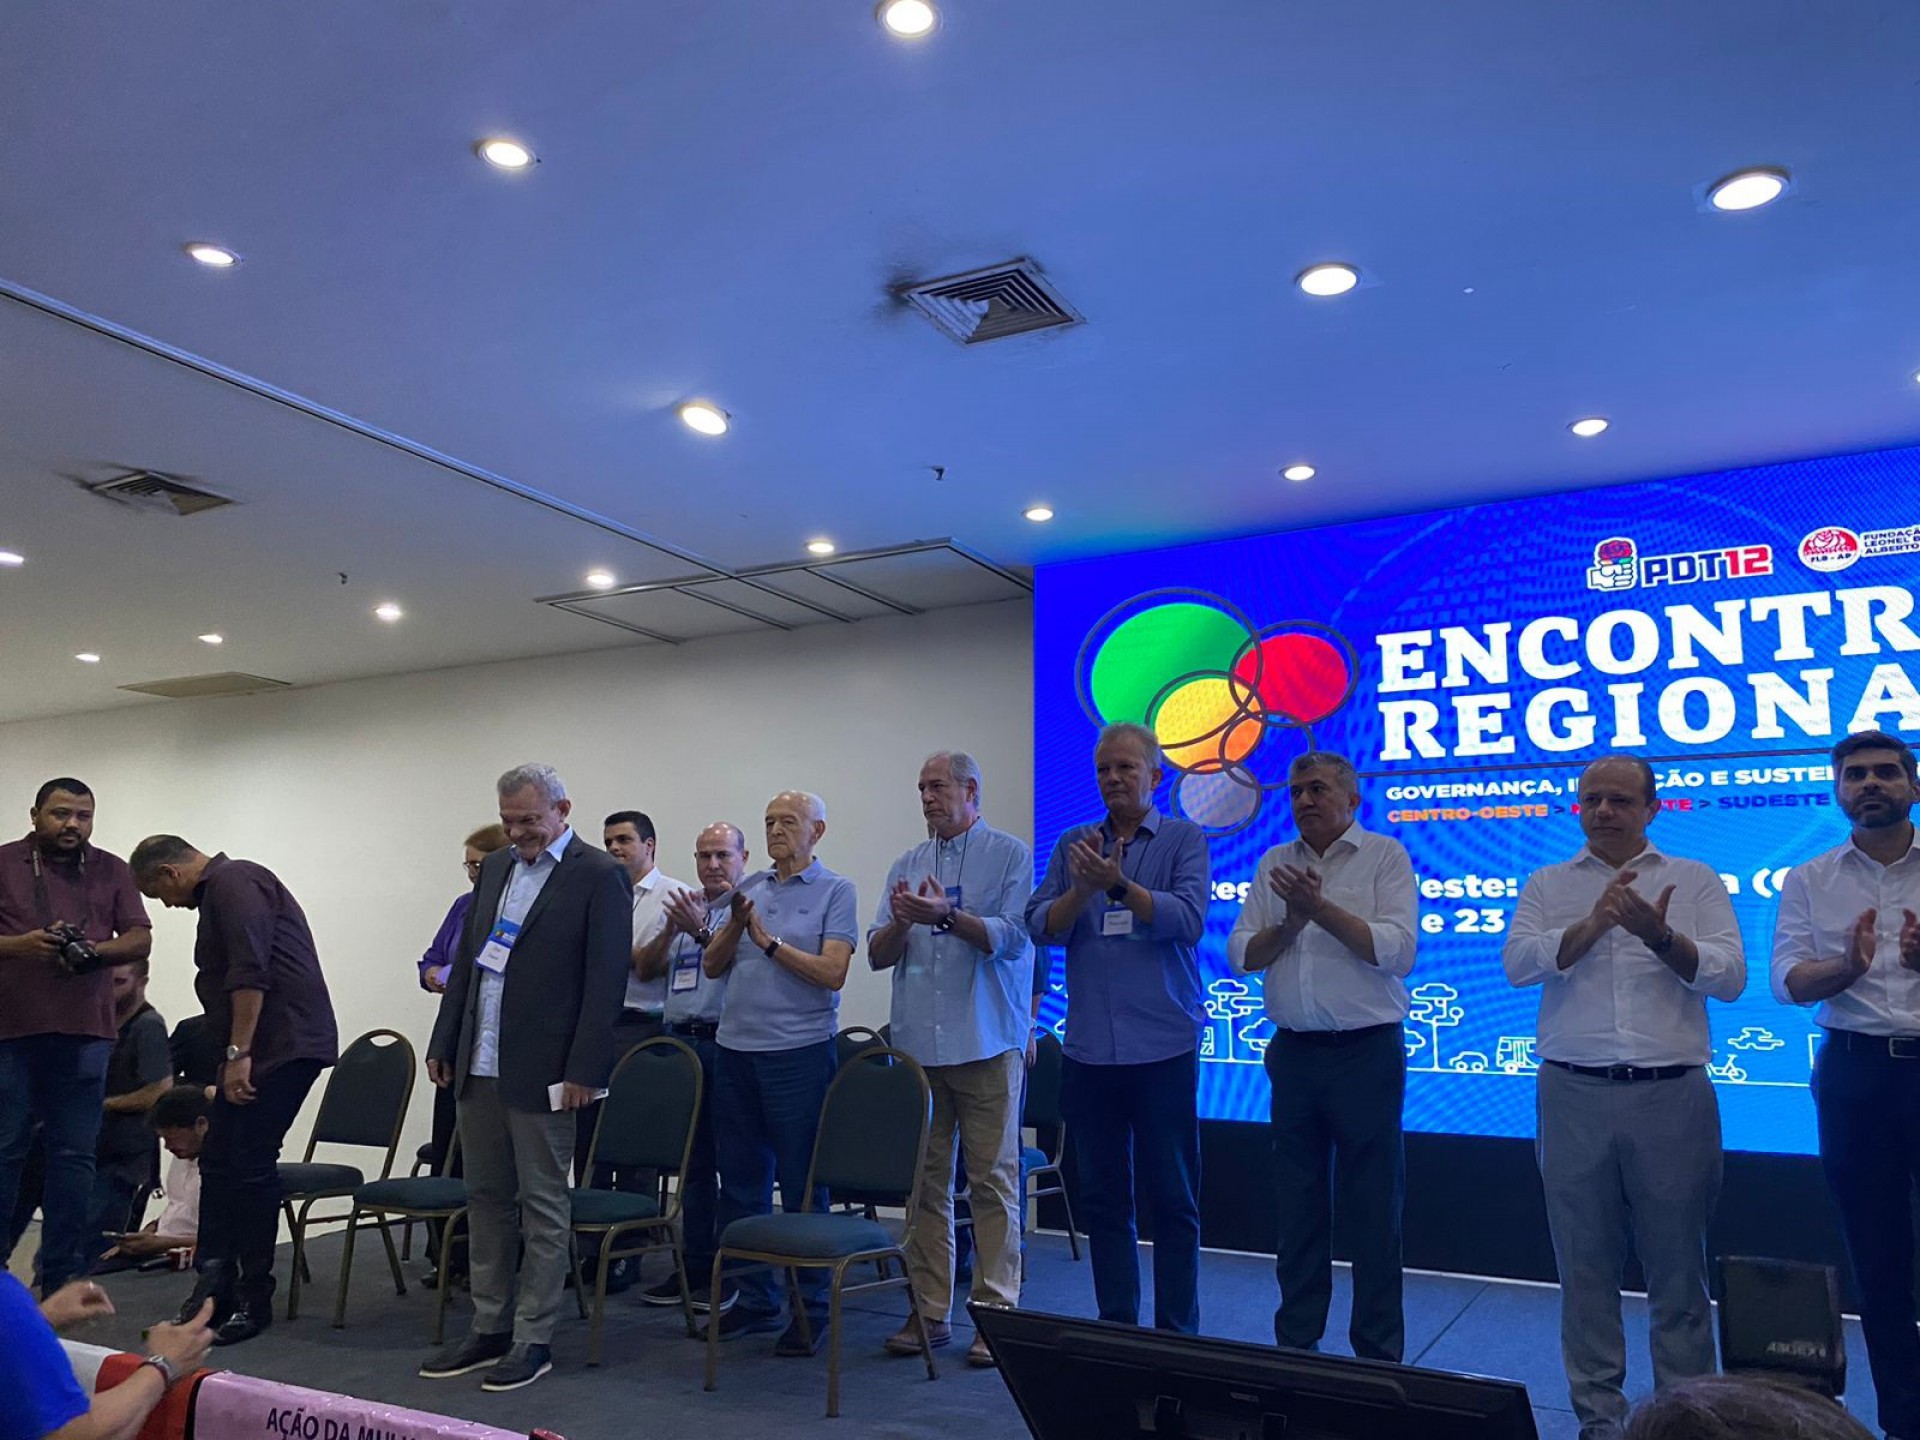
(1868, 1105)
(1337, 1098)
(239, 1181)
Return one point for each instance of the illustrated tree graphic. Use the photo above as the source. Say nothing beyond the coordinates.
(1433, 1006)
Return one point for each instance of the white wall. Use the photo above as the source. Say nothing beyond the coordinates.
(358, 794)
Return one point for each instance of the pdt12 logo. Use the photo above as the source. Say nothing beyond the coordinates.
(1619, 565)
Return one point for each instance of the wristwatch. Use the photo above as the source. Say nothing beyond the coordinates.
(1117, 892)
(773, 943)
(168, 1375)
(945, 923)
(1664, 943)
(703, 937)
(234, 1052)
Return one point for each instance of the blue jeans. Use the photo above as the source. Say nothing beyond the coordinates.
(766, 1109)
(61, 1081)
(1114, 1111)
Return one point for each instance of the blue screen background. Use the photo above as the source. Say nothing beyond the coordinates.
(1470, 1062)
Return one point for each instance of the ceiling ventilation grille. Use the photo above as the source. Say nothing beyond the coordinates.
(162, 494)
(196, 687)
(991, 304)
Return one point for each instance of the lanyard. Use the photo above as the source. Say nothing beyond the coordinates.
(40, 896)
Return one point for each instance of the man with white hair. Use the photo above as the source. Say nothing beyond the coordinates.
(525, 1037)
(785, 947)
(1126, 898)
(952, 929)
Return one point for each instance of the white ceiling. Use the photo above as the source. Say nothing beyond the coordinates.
(727, 195)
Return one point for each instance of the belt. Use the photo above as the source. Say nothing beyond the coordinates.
(1335, 1037)
(1627, 1072)
(695, 1029)
(1897, 1047)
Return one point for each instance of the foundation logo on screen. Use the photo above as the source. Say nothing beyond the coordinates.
(1619, 565)
(1213, 687)
(1831, 547)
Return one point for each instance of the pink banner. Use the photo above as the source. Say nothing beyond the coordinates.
(239, 1407)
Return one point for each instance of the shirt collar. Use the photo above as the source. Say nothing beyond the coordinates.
(1353, 837)
(1149, 823)
(805, 877)
(1852, 847)
(214, 863)
(29, 848)
(939, 840)
(652, 880)
(1651, 853)
(558, 850)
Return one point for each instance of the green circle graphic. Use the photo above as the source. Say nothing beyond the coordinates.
(1149, 649)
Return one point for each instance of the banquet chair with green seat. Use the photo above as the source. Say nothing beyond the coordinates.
(646, 1122)
(428, 1199)
(364, 1105)
(873, 1131)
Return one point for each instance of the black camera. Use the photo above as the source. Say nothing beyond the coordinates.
(76, 955)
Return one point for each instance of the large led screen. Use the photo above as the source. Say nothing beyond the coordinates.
(1728, 628)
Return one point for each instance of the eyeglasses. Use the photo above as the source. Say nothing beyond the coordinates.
(472, 867)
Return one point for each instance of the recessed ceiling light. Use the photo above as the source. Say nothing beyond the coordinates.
(908, 18)
(1329, 279)
(601, 579)
(12, 557)
(1747, 190)
(87, 657)
(1298, 472)
(388, 611)
(1039, 514)
(212, 639)
(707, 419)
(1591, 426)
(214, 257)
(820, 547)
(504, 154)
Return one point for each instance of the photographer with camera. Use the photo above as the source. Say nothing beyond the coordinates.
(69, 913)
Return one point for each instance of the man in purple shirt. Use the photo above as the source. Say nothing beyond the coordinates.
(58, 1028)
(1127, 899)
(259, 981)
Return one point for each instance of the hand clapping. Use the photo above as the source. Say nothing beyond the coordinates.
(1626, 907)
(1300, 888)
(686, 913)
(1092, 869)
(928, 905)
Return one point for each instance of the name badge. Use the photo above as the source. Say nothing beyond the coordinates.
(956, 896)
(499, 947)
(686, 973)
(1116, 920)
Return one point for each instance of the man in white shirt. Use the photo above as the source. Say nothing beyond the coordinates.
(1329, 924)
(1626, 944)
(1848, 939)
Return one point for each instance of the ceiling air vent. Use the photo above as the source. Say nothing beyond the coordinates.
(197, 687)
(163, 494)
(991, 304)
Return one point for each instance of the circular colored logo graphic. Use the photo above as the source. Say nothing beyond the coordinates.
(1831, 547)
(1193, 669)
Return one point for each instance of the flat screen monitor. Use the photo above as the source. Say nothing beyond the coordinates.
(1090, 1380)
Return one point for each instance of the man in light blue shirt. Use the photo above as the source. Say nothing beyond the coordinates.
(785, 947)
(1127, 899)
(952, 928)
(694, 1001)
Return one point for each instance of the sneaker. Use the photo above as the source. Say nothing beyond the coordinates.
(703, 1299)
(797, 1343)
(736, 1323)
(474, 1352)
(522, 1365)
(906, 1340)
(667, 1292)
(623, 1274)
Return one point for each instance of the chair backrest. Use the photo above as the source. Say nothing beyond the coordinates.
(653, 1099)
(873, 1129)
(365, 1102)
(855, 1040)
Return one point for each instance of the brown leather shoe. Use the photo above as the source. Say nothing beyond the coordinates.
(978, 1355)
(906, 1340)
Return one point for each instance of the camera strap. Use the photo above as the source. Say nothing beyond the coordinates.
(43, 900)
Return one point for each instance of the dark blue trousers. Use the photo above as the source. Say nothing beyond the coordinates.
(1117, 1114)
(59, 1080)
(1337, 1097)
(700, 1186)
(1868, 1106)
(766, 1109)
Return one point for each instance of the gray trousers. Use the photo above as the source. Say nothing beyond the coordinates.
(1624, 1161)
(516, 1170)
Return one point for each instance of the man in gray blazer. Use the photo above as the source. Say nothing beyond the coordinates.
(525, 1036)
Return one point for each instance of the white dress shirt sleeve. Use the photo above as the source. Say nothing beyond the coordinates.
(1005, 913)
(1792, 933)
(1532, 952)
(1261, 910)
(1722, 968)
(1393, 922)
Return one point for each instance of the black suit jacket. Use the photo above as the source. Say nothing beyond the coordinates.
(565, 982)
